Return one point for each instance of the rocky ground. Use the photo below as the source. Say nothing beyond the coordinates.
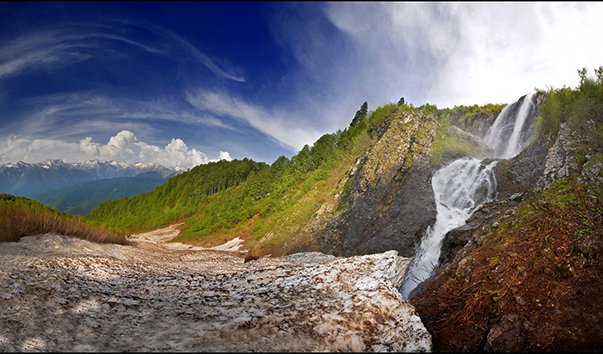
(66, 294)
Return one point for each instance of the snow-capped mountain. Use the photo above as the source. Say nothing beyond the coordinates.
(29, 179)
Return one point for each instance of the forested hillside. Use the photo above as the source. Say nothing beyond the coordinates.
(282, 207)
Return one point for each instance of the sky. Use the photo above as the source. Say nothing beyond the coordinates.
(186, 83)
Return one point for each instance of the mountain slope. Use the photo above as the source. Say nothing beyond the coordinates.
(362, 190)
(81, 198)
(29, 179)
(24, 217)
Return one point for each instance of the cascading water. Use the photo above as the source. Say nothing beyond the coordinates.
(506, 137)
(460, 188)
(463, 186)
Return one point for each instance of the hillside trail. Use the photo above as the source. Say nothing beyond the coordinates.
(61, 293)
(163, 236)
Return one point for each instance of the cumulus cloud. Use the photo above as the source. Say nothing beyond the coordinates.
(123, 146)
(224, 155)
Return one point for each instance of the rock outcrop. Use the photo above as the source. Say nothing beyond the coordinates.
(66, 294)
(560, 158)
(391, 202)
(477, 124)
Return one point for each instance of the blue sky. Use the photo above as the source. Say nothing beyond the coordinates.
(187, 83)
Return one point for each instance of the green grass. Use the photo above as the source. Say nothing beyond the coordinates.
(447, 143)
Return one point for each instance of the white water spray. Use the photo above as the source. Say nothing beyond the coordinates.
(460, 188)
(505, 135)
(463, 186)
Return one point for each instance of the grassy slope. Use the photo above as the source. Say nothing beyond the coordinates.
(80, 199)
(24, 217)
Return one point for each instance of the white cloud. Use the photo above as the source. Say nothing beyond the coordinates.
(224, 155)
(61, 115)
(464, 53)
(199, 56)
(283, 127)
(59, 46)
(123, 146)
(75, 43)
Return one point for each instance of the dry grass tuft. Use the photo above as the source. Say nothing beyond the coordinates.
(23, 217)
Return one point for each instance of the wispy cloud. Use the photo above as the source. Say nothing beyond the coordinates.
(59, 46)
(442, 53)
(123, 146)
(281, 126)
(201, 57)
(469, 53)
(75, 43)
(85, 112)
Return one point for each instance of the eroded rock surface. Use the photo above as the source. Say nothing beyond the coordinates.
(66, 294)
(391, 202)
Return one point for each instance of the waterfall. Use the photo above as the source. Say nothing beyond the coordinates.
(463, 186)
(506, 136)
(460, 188)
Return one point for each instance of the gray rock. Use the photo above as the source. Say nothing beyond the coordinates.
(392, 202)
(508, 335)
(559, 161)
(517, 197)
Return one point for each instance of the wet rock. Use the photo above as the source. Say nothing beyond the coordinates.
(517, 197)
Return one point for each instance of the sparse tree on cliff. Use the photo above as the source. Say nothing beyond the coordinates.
(360, 114)
(599, 74)
(582, 73)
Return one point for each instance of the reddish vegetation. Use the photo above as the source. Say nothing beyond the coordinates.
(533, 285)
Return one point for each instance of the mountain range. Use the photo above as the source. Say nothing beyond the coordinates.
(62, 185)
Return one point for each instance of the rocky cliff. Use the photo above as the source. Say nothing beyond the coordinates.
(391, 201)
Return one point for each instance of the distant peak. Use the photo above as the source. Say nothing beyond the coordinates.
(92, 164)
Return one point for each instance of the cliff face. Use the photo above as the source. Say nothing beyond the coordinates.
(390, 201)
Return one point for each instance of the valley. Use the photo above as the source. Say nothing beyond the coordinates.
(414, 229)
